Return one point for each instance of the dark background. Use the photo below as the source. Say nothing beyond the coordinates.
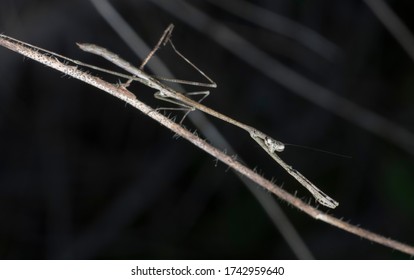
(83, 176)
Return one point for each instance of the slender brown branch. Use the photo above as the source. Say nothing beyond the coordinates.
(130, 98)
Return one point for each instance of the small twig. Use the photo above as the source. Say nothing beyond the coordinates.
(130, 98)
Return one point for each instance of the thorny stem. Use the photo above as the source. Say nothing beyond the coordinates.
(130, 98)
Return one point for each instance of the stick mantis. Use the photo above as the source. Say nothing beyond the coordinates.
(166, 93)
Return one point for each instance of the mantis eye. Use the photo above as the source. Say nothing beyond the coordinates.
(274, 145)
